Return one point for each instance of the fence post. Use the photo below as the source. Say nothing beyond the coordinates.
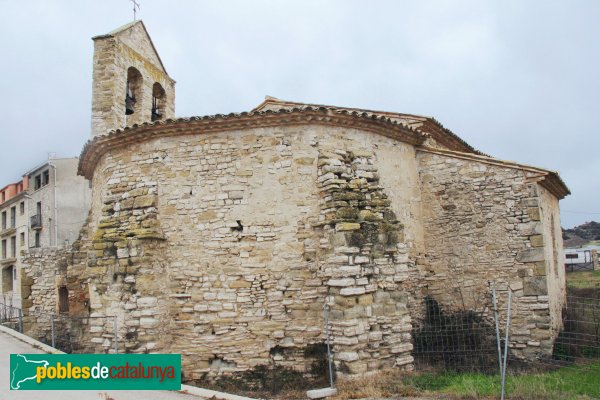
(116, 340)
(497, 329)
(595, 261)
(329, 357)
(20, 312)
(506, 341)
(52, 324)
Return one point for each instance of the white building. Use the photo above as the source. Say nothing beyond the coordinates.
(45, 209)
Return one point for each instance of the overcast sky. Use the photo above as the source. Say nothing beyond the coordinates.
(519, 80)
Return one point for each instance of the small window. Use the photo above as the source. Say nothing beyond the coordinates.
(13, 246)
(13, 216)
(63, 299)
(3, 219)
(4, 248)
(45, 178)
(37, 239)
(14, 273)
(22, 239)
(22, 208)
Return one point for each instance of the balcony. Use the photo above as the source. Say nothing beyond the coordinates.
(8, 261)
(8, 231)
(36, 221)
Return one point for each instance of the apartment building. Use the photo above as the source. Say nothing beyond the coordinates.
(13, 238)
(45, 209)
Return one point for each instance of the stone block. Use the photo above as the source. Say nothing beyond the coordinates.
(352, 291)
(539, 268)
(345, 301)
(26, 303)
(149, 322)
(535, 286)
(354, 312)
(536, 240)
(368, 215)
(405, 360)
(348, 270)
(122, 253)
(347, 356)
(357, 367)
(347, 226)
(361, 260)
(341, 282)
(365, 300)
(534, 213)
(402, 348)
(236, 195)
(240, 284)
(207, 216)
(516, 285)
(531, 255)
(147, 301)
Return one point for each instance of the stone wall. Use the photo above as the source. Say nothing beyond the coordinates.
(484, 228)
(366, 265)
(227, 247)
(44, 271)
(233, 247)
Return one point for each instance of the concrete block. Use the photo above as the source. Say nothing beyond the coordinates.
(321, 393)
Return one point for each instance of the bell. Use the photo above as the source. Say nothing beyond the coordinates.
(129, 102)
(155, 114)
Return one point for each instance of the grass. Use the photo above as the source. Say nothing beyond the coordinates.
(584, 280)
(385, 384)
(568, 383)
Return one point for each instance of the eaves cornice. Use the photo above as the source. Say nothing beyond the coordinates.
(100, 145)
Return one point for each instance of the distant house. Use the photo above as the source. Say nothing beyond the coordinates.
(46, 208)
(577, 259)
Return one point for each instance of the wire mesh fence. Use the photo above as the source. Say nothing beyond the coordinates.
(463, 340)
(466, 341)
(456, 341)
(574, 364)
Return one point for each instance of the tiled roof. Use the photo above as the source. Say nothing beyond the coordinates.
(551, 180)
(425, 124)
(385, 126)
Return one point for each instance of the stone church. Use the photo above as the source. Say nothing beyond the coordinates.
(231, 239)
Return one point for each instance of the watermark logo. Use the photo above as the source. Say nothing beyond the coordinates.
(95, 371)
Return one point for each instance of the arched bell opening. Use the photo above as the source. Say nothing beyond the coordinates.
(133, 91)
(158, 101)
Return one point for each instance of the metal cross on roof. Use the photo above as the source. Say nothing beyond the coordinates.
(136, 7)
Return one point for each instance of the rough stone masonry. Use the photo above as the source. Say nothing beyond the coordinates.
(228, 238)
